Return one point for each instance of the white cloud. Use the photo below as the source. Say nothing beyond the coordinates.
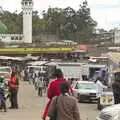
(103, 2)
(105, 12)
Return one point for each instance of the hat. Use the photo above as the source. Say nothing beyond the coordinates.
(58, 73)
(64, 87)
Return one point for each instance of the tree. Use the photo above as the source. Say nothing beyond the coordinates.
(70, 24)
(13, 21)
(85, 23)
(55, 20)
(65, 23)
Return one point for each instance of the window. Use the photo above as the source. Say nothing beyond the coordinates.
(16, 38)
(20, 38)
(89, 86)
(12, 38)
(29, 2)
(25, 3)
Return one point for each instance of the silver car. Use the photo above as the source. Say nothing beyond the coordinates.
(85, 91)
(110, 113)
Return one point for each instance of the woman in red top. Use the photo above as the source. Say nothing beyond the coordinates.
(54, 89)
(13, 89)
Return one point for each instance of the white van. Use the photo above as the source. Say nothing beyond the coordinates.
(38, 66)
(37, 69)
(70, 69)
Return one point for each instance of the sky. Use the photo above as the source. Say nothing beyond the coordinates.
(105, 12)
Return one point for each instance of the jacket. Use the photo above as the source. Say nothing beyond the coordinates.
(54, 88)
(67, 108)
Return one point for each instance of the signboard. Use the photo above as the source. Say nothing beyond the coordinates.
(35, 50)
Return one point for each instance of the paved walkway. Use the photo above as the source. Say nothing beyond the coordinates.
(30, 105)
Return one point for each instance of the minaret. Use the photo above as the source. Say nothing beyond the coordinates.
(27, 7)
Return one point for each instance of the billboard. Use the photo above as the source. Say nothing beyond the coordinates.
(82, 47)
(35, 50)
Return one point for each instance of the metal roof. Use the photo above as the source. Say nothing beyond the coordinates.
(114, 56)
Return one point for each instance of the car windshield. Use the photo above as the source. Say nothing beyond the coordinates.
(86, 86)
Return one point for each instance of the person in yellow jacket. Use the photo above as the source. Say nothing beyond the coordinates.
(13, 89)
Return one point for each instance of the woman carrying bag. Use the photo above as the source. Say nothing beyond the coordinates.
(54, 90)
(64, 107)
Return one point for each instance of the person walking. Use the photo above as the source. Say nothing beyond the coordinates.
(40, 85)
(13, 89)
(2, 94)
(66, 106)
(54, 89)
(100, 88)
(116, 88)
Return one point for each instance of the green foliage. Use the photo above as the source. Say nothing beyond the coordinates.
(3, 28)
(65, 23)
(70, 24)
(13, 21)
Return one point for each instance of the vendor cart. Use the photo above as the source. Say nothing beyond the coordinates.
(106, 99)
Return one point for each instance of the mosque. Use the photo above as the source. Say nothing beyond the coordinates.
(26, 37)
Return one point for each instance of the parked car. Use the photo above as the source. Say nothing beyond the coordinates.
(110, 113)
(85, 90)
(6, 69)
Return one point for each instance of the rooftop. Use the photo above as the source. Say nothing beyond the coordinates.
(114, 56)
(26, 0)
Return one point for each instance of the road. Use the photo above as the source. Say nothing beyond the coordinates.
(31, 106)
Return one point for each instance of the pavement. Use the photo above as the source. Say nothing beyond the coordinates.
(31, 106)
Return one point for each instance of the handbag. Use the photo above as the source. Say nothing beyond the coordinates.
(54, 115)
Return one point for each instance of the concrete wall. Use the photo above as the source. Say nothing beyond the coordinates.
(45, 38)
(95, 50)
(10, 38)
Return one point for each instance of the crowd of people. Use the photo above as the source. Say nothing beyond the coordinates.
(59, 93)
(38, 78)
(60, 87)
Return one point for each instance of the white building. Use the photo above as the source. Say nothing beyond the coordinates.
(27, 6)
(26, 37)
(117, 36)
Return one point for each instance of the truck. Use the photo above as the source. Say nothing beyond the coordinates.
(79, 70)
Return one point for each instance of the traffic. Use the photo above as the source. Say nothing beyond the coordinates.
(90, 81)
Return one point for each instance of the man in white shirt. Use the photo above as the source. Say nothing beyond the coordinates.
(40, 85)
(100, 89)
